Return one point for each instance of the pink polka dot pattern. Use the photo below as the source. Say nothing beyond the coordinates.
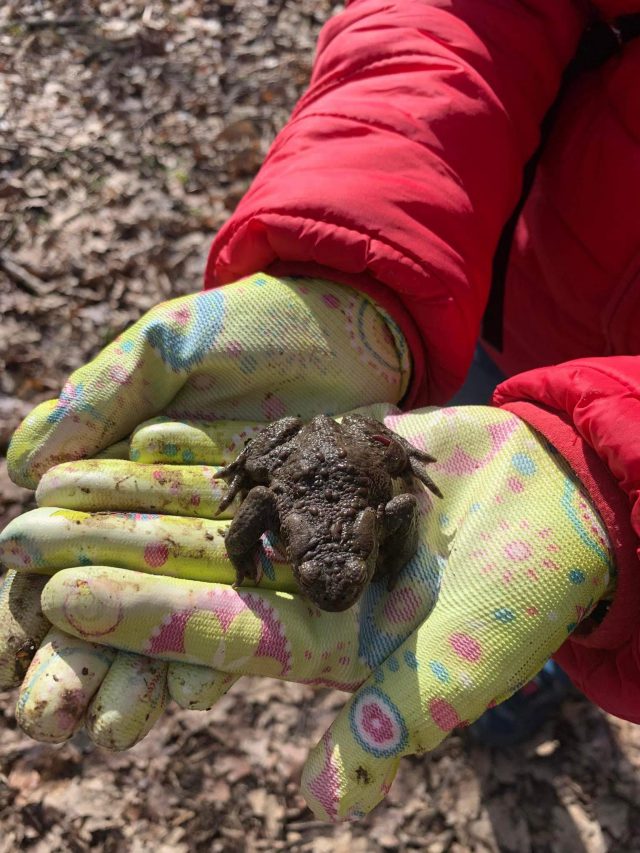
(518, 550)
(181, 316)
(120, 374)
(444, 715)
(273, 407)
(156, 554)
(465, 647)
(515, 484)
(331, 300)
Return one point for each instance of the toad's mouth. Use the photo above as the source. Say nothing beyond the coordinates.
(333, 587)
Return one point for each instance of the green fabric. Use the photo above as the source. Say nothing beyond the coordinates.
(510, 561)
(256, 349)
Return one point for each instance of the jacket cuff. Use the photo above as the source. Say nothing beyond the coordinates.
(613, 506)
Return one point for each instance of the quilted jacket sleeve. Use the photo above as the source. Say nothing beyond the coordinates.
(589, 409)
(402, 162)
(611, 9)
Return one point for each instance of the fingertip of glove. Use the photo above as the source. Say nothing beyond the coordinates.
(197, 688)
(18, 468)
(338, 787)
(54, 595)
(27, 443)
(85, 606)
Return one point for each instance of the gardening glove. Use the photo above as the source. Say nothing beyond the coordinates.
(118, 696)
(510, 561)
(259, 348)
(112, 514)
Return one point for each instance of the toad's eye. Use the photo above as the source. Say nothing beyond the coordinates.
(381, 439)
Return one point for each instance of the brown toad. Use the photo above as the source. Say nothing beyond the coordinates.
(327, 489)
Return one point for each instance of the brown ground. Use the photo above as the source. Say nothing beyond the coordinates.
(129, 131)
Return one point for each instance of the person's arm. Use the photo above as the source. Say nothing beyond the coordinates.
(589, 410)
(402, 162)
(611, 9)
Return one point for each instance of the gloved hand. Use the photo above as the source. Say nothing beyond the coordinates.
(121, 694)
(257, 349)
(260, 348)
(509, 563)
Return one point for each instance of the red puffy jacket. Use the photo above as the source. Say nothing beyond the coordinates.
(396, 174)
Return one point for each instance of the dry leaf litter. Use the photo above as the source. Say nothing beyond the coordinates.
(128, 133)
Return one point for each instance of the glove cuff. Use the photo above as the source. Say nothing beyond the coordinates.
(418, 393)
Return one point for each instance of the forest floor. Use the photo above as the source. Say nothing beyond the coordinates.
(129, 131)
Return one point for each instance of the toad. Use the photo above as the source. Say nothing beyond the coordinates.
(337, 494)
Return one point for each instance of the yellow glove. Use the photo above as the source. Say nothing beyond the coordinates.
(509, 562)
(259, 348)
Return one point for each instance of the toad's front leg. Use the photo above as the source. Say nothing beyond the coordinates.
(259, 458)
(401, 537)
(258, 512)
(401, 458)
